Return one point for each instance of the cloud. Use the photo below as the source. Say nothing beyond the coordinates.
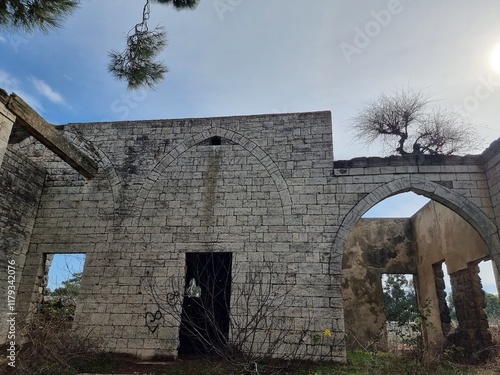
(10, 84)
(7, 81)
(2, 39)
(48, 92)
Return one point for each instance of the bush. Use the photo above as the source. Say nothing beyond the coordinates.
(51, 347)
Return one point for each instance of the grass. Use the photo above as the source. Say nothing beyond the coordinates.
(358, 363)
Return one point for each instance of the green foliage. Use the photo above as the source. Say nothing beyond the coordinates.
(492, 308)
(31, 15)
(399, 300)
(179, 4)
(70, 288)
(137, 64)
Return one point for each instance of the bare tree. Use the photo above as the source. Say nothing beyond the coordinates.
(259, 326)
(409, 122)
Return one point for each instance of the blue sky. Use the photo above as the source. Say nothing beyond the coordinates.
(264, 56)
(236, 57)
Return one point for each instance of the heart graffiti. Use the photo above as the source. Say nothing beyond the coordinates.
(152, 320)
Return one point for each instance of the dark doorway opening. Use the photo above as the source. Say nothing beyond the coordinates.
(205, 311)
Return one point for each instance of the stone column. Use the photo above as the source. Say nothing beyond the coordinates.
(469, 300)
(444, 311)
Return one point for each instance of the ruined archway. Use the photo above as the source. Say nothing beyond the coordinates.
(447, 197)
(467, 282)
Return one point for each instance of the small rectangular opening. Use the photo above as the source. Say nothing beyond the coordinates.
(63, 275)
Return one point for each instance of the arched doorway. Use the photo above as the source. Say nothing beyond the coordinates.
(436, 234)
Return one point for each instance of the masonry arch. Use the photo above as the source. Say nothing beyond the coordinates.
(220, 133)
(106, 169)
(447, 197)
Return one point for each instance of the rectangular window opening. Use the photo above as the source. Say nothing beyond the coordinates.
(61, 283)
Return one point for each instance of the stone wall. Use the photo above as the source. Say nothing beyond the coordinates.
(263, 188)
(21, 183)
(491, 158)
(256, 186)
(468, 296)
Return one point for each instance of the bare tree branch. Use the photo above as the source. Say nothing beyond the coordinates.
(260, 326)
(409, 122)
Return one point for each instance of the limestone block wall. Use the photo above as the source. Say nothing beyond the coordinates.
(375, 247)
(491, 158)
(6, 123)
(254, 186)
(21, 183)
(459, 183)
(259, 187)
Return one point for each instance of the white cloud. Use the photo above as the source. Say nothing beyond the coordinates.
(10, 84)
(2, 39)
(48, 92)
(7, 82)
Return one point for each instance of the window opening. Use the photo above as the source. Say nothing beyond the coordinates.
(401, 310)
(63, 280)
(215, 141)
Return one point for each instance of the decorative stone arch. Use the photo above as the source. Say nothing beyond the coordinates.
(447, 197)
(222, 133)
(105, 166)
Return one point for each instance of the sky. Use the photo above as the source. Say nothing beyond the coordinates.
(239, 57)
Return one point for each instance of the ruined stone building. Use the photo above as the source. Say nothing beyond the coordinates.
(154, 197)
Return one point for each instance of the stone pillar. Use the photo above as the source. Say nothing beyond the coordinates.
(444, 311)
(469, 300)
(6, 122)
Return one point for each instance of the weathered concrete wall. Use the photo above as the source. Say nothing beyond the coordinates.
(375, 247)
(442, 235)
(21, 183)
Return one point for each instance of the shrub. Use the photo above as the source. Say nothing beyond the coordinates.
(51, 347)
